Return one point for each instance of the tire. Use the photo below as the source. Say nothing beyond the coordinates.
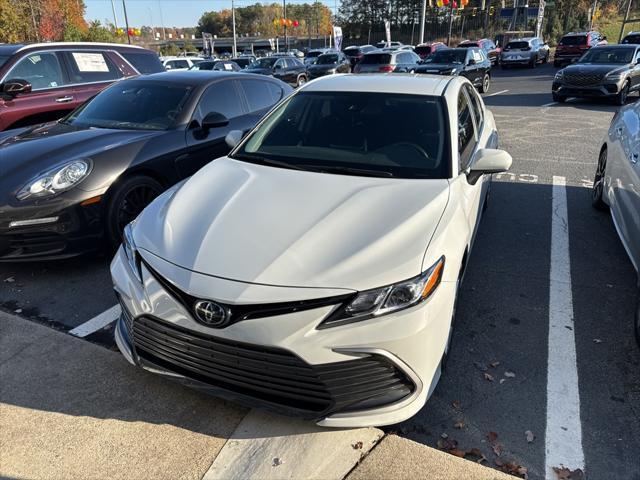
(636, 323)
(546, 58)
(533, 62)
(301, 81)
(597, 192)
(621, 97)
(558, 98)
(486, 83)
(126, 202)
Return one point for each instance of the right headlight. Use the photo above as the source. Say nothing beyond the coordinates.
(558, 75)
(56, 180)
(384, 300)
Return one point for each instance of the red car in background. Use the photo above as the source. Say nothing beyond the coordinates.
(573, 45)
(425, 50)
(43, 82)
(487, 45)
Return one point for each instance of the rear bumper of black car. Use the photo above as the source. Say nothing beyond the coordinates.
(53, 231)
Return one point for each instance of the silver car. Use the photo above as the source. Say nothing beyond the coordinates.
(617, 181)
(525, 51)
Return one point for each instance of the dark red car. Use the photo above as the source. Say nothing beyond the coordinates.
(43, 82)
(573, 45)
(487, 45)
(425, 50)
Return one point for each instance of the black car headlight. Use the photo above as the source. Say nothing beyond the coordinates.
(131, 252)
(56, 180)
(392, 298)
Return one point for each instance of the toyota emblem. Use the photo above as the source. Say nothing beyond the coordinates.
(211, 314)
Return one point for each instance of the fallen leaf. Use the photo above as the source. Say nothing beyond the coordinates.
(457, 452)
(494, 364)
(277, 462)
(498, 462)
(502, 380)
(509, 374)
(459, 425)
(488, 377)
(456, 404)
(564, 473)
(597, 340)
(447, 444)
(529, 436)
(492, 436)
(357, 446)
(497, 449)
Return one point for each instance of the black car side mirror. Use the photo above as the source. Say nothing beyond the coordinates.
(214, 120)
(15, 86)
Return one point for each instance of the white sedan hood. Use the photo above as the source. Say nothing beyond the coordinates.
(277, 226)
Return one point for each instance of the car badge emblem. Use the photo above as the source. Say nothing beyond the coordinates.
(211, 314)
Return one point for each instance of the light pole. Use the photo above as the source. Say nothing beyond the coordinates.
(115, 17)
(286, 40)
(233, 22)
(126, 21)
(164, 33)
(450, 23)
(423, 16)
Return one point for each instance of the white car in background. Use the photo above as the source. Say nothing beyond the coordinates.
(314, 271)
(180, 63)
(617, 183)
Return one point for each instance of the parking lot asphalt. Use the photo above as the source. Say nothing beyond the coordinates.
(495, 387)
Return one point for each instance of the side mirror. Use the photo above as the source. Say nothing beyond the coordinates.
(233, 138)
(488, 161)
(214, 120)
(16, 86)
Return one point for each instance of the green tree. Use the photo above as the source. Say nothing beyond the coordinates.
(99, 33)
(12, 24)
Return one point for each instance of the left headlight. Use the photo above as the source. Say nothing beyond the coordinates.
(56, 180)
(615, 76)
(558, 75)
(384, 300)
(131, 252)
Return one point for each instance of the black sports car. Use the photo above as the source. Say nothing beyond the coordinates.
(71, 186)
(469, 62)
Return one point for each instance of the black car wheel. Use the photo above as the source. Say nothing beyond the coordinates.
(301, 81)
(598, 182)
(533, 62)
(621, 98)
(486, 83)
(126, 202)
(546, 58)
(558, 98)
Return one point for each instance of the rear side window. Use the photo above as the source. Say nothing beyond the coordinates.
(87, 67)
(144, 63)
(466, 131)
(261, 95)
(573, 40)
(376, 58)
(42, 70)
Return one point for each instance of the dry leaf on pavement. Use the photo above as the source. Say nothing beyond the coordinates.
(529, 436)
(509, 374)
(488, 376)
(459, 425)
(564, 473)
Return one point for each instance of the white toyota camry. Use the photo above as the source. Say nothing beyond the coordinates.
(314, 270)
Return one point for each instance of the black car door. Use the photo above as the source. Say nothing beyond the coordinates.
(469, 70)
(225, 97)
(280, 70)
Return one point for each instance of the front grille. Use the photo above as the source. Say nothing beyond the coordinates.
(270, 375)
(583, 79)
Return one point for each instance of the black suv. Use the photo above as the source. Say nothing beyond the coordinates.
(469, 62)
(283, 67)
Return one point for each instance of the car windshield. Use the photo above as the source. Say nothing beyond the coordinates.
(468, 45)
(264, 62)
(448, 56)
(314, 54)
(203, 66)
(376, 59)
(574, 40)
(327, 59)
(608, 55)
(352, 52)
(516, 45)
(133, 105)
(341, 132)
(633, 39)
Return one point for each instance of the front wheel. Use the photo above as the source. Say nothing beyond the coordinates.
(546, 58)
(597, 192)
(621, 98)
(558, 98)
(637, 323)
(486, 83)
(301, 81)
(533, 62)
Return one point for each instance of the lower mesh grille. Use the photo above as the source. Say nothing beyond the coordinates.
(271, 375)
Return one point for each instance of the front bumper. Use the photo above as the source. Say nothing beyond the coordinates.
(76, 229)
(603, 90)
(375, 372)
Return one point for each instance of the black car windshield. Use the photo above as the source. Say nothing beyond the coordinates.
(468, 45)
(268, 62)
(327, 59)
(574, 40)
(423, 50)
(3, 59)
(633, 39)
(352, 52)
(604, 55)
(203, 66)
(516, 45)
(376, 59)
(133, 105)
(448, 56)
(342, 132)
(313, 54)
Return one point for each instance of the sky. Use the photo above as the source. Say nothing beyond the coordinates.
(174, 13)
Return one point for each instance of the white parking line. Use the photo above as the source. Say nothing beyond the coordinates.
(496, 93)
(551, 104)
(97, 322)
(563, 439)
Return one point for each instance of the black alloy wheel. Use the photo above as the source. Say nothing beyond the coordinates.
(126, 202)
(597, 191)
(621, 98)
(486, 83)
(301, 81)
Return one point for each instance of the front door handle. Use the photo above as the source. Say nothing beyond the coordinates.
(66, 99)
(633, 158)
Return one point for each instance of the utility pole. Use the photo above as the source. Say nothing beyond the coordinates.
(164, 33)
(423, 17)
(35, 24)
(625, 21)
(593, 12)
(284, 11)
(126, 21)
(115, 17)
(233, 21)
(450, 23)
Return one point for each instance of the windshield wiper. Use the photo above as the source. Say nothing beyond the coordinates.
(265, 161)
(351, 171)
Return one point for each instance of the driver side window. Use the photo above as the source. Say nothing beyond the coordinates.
(280, 64)
(42, 70)
(466, 131)
(222, 97)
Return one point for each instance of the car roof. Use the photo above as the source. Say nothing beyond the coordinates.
(52, 45)
(193, 77)
(575, 34)
(617, 45)
(385, 83)
(523, 39)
